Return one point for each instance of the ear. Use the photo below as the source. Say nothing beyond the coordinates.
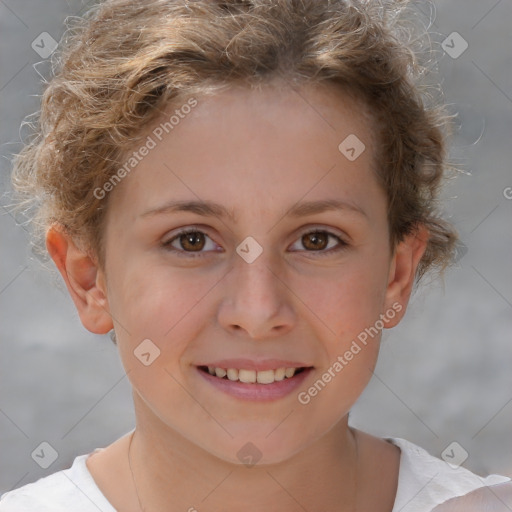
(84, 280)
(402, 272)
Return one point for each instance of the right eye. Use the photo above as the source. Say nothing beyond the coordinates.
(192, 241)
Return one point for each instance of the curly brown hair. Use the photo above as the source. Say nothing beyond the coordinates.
(125, 62)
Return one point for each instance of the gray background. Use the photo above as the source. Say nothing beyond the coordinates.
(443, 374)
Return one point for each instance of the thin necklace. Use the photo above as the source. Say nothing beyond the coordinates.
(356, 470)
(131, 471)
(354, 497)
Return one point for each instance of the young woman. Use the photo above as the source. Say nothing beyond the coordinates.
(245, 192)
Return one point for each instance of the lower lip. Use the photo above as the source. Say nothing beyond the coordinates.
(255, 391)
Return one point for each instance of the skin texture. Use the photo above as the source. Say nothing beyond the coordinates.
(258, 153)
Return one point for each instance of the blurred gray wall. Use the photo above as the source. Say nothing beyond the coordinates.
(444, 374)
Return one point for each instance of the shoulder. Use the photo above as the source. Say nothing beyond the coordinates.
(426, 481)
(48, 493)
(70, 489)
(495, 498)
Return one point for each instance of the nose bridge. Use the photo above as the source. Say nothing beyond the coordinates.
(255, 279)
(255, 299)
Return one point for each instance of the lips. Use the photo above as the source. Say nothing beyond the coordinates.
(251, 371)
(255, 385)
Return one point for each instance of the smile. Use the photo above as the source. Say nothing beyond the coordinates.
(252, 376)
(260, 385)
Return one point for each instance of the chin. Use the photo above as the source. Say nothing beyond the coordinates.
(254, 451)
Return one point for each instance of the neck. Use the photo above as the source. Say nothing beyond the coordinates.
(169, 471)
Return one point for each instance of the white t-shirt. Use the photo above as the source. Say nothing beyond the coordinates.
(424, 482)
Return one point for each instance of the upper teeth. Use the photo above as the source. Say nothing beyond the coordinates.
(251, 376)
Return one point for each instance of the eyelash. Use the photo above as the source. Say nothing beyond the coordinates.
(186, 254)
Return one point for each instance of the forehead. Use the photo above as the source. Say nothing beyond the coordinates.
(321, 108)
(247, 146)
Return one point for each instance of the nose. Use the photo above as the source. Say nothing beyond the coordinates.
(257, 302)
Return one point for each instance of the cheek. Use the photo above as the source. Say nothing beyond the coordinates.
(153, 298)
(347, 300)
(165, 306)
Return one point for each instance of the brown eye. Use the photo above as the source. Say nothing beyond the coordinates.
(320, 243)
(192, 241)
(315, 240)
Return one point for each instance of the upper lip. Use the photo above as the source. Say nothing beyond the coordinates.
(255, 364)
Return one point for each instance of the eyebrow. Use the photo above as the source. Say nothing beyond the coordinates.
(212, 209)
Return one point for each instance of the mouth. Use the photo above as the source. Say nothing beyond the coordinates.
(254, 379)
(248, 376)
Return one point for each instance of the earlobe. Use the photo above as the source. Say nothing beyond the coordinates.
(402, 272)
(84, 280)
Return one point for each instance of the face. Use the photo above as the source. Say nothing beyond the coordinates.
(261, 281)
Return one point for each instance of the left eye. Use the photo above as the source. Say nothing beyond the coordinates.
(319, 239)
(194, 241)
